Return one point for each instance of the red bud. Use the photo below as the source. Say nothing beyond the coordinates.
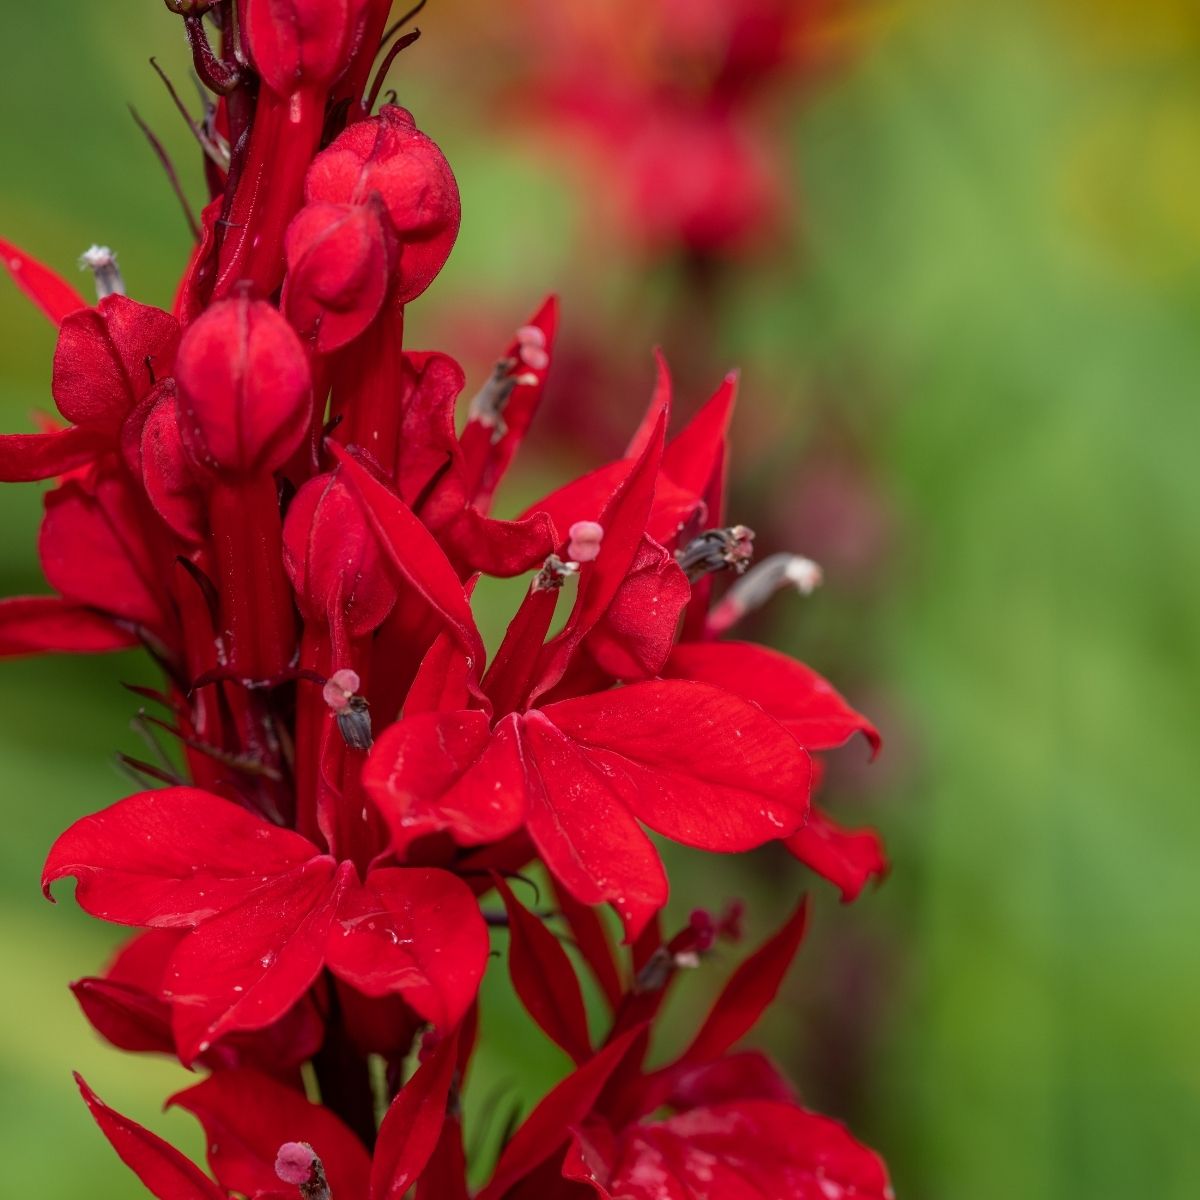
(244, 386)
(297, 42)
(390, 156)
(340, 259)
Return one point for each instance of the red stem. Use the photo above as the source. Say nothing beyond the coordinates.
(257, 614)
(270, 189)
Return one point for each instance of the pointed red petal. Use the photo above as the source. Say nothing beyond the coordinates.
(544, 979)
(695, 763)
(247, 1116)
(660, 403)
(582, 826)
(417, 557)
(51, 293)
(25, 457)
(485, 462)
(848, 858)
(624, 521)
(691, 458)
(792, 693)
(445, 1175)
(548, 1127)
(170, 857)
(164, 1171)
(412, 1125)
(416, 933)
(246, 967)
(746, 995)
(594, 944)
(48, 625)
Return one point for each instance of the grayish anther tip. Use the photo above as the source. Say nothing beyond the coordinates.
(102, 262)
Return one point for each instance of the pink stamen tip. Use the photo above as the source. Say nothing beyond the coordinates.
(339, 687)
(294, 1163)
(584, 538)
(531, 335)
(534, 356)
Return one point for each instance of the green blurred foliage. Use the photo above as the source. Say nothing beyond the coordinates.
(999, 292)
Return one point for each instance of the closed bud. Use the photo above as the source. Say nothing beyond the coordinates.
(298, 43)
(340, 259)
(244, 388)
(390, 157)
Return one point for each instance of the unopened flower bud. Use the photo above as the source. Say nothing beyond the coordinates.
(340, 259)
(389, 156)
(297, 43)
(245, 390)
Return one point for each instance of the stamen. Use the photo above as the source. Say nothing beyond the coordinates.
(350, 709)
(102, 262)
(297, 1164)
(759, 585)
(487, 407)
(554, 574)
(717, 550)
(584, 538)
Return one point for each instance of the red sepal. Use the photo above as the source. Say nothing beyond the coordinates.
(51, 293)
(164, 1171)
(544, 979)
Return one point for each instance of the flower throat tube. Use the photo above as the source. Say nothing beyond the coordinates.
(267, 492)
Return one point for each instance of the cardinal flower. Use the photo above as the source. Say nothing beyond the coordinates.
(266, 911)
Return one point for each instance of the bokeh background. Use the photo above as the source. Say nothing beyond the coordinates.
(970, 376)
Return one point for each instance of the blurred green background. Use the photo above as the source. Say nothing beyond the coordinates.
(996, 301)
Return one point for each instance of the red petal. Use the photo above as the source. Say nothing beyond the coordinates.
(412, 1125)
(548, 1127)
(791, 692)
(634, 637)
(246, 967)
(485, 462)
(660, 402)
(441, 682)
(437, 771)
(93, 550)
(417, 557)
(164, 1171)
(746, 1076)
(247, 1116)
(48, 625)
(171, 481)
(100, 363)
(544, 979)
(334, 559)
(171, 857)
(746, 996)
(499, 548)
(624, 521)
(693, 762)
(692, 457)
(582, 826)
(848, 858)
(745, 1151)
(416, 933)
(25, 457)
(594, 944)
(51, 293)
(445, 1175)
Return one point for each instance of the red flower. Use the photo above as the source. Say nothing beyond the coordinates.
(266, 912)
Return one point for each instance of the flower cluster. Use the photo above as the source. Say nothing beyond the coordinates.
(268, 494)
